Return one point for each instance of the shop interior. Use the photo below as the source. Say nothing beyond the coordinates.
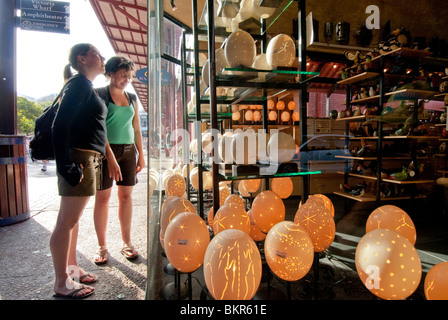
(316, 164)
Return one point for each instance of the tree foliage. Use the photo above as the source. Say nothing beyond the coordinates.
(27, 112)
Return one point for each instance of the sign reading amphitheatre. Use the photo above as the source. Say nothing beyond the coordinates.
(43, 15)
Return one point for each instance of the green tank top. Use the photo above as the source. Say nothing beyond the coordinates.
(119, 124)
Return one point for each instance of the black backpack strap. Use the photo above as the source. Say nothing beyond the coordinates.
(103, 93)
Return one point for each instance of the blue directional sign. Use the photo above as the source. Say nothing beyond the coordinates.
(43, 15)
(142, 75)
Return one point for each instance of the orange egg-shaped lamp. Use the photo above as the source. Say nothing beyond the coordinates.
(251, 185)
(224, 192)
(436, 282)
(315, 218)
(236, 116)
(289, 251)
(210, 217)
(280, 105)
(232, 266)
(326, 201)
(255, 233)
(267, 210)
(271, 104)
(388, 264)
(242, 190)
(272, 115)
(291, 105)
(171, 207)
(296, 116)
(186, 239)
(393, 218)
(282, 186)
(235, 199)
(285, 116)
(176, 186)
(231, 216)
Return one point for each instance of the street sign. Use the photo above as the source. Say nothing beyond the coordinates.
(43, 15)
(142, 75)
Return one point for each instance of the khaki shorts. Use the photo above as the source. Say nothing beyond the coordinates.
(91, 162)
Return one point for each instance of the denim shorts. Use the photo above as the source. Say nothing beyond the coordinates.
(91, 163)
(125, 154)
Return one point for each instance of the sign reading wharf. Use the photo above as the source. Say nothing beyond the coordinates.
(43, 15)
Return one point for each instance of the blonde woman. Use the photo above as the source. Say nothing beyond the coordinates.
(79, 139)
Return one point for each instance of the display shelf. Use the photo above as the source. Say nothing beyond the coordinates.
(356, 118)
(372, 158)
(403, 94)
(359, 77)
(410, 94)
(372, 198)
(228, 175)
(222, 24)
(403, 52)
(371, 78)
(411, 181)
(248, 77)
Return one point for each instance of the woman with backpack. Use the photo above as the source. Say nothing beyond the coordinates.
(124, 156)
(79, 142)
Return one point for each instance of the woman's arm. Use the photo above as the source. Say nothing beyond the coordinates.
(138, 141)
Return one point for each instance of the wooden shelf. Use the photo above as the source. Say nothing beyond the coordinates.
(359, 77)
(372, 198)
(405, 53)
(387, 180)
(371, 158)
(411, 94)
(354, 118)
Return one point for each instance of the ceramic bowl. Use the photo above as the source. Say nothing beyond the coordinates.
(260, 62)
(240, 49)
(261, 12)
(281, 147)
(281, 51)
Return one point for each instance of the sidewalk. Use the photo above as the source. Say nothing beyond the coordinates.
(26, 263)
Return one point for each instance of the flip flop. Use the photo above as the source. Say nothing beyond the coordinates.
(88, 275)
(103, 254)
(73, 294)
(128, 252)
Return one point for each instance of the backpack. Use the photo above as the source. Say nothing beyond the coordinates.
(41, 146)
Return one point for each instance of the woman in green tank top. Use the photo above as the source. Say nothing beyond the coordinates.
(124, 156)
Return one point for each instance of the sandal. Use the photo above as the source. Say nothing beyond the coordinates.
(88, 275)
(101, 256)
(74, 294)
(129, 252)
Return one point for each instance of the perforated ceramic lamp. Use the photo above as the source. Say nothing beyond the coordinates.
(388, 264)
(289, 251)
(267, 210)
(325, 200)
(255, 233)
(232, 266)
(393, 218)
(436, 282)
(231, 216)
(186, 239)
(176, 186)
(171, 207)
(251, 185)
(283, 187)
(316, 219)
